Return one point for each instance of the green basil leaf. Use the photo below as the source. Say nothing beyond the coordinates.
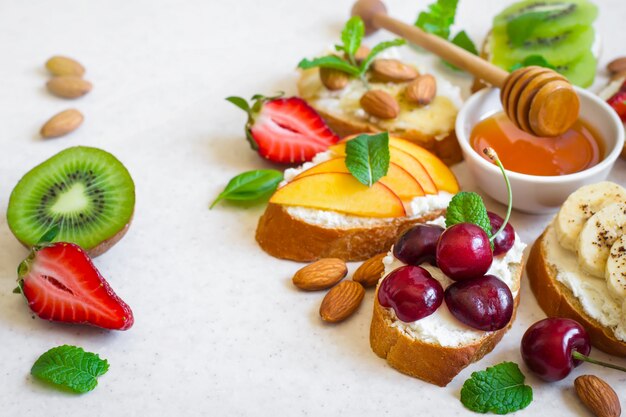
(250, 186)
(468, 207)
(330, 61)
(438, 18)
(352, 35)
(367, 157)
(378, 49)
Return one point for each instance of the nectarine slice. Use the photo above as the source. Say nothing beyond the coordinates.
(340, 192)
(397, 179)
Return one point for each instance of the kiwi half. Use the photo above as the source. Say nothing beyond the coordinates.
(86, 193)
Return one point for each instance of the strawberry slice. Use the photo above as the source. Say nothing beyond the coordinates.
(61, 284)
(285, 130)
(618, 102)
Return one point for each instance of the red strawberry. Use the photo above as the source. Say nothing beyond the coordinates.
(61, 284)
(618, 102)
(285, 130)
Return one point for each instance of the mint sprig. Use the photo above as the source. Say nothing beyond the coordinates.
(468, 207)
(367, 157)
(499, 389)
(537, 60)
(250, 186)
(70, 367)
(351, 36)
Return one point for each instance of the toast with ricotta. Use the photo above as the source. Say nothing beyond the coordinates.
(437, 347)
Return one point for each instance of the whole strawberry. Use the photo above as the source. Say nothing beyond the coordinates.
(285, 130)
(618, 102)
(61, 283)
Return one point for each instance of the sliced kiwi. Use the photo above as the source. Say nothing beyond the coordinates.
(86, 193)
(580, 72)
(549, 18)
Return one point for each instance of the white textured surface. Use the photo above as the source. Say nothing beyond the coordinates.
(219, 328)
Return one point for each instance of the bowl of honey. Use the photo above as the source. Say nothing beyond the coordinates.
(543, 171)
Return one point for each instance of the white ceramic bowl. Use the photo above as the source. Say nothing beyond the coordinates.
(533, 193)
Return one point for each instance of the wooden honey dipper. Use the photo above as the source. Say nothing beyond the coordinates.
(538, 100)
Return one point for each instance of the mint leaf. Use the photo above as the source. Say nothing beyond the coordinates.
(439, 18)
(330, 61)
(352, 35)
(521, 27)
(499, 389)
(468, 207)
(462, 40)
(250, 185)
(367, 157)
(378, 49)
(70, 367)
(537, 60)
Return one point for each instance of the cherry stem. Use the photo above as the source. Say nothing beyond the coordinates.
(581, 357)
(491, 153)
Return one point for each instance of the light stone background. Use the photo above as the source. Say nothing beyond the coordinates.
(219, 328)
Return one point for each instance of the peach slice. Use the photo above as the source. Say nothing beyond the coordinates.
(338, 191)
(397, 179)
(442, 175)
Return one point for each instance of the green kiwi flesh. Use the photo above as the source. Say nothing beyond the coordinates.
(85, 192)
(582, 71)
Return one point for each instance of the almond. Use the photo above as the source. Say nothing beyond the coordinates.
(422, 90)
(360, 54)
(380, 104)
(392, 70)
(341, 301)
(621, 75)
(598, 396)
(320, 275)
(68, 86)
(617, 65)
(370, 271)
(62, 123)
(62, 65)
(334, 79)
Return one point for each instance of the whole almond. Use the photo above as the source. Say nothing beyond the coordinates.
(341, 301)
(334, 79)
(360, 54)
(621, 75)
(617, 65)
(69, 86)
(320, 274)
(598, 396)
(421, 90)
(62, 65)
(392, 70)
(370, 271)
(380, 104)
(62, 123)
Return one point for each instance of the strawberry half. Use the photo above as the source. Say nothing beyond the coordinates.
(618, 102)
(61, 284)
(285, 130)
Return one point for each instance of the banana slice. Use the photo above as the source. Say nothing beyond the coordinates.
(581, 205)
(598, 235)
(616, 269)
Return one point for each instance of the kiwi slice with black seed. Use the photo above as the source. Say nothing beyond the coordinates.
(85, 193)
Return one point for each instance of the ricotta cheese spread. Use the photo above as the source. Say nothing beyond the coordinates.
(442, 327)
(592, 292)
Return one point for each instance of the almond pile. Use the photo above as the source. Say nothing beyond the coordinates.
(67, 82)
(344, 297)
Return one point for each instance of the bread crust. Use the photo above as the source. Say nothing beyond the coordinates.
(432, 363)
(557, 300)
(283, 236)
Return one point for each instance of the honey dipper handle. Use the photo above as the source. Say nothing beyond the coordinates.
(446, 50)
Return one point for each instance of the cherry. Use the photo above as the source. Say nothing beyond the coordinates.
(418, 244)
(464, 251)
(484, 303)
(504, 240)
(552, 347)
(412, 292)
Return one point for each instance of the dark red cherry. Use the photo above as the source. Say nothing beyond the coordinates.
(464, 251)
(484, 303)
(548, 345)
(505, 239)
(412, 293)
(418, 244)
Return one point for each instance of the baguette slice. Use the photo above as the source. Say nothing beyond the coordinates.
(557, 300)
(428, 361)
(284, 236)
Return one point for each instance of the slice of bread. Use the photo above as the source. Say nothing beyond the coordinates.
(557, 300)
(285, 236)
(427, 360)
(431, 127)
